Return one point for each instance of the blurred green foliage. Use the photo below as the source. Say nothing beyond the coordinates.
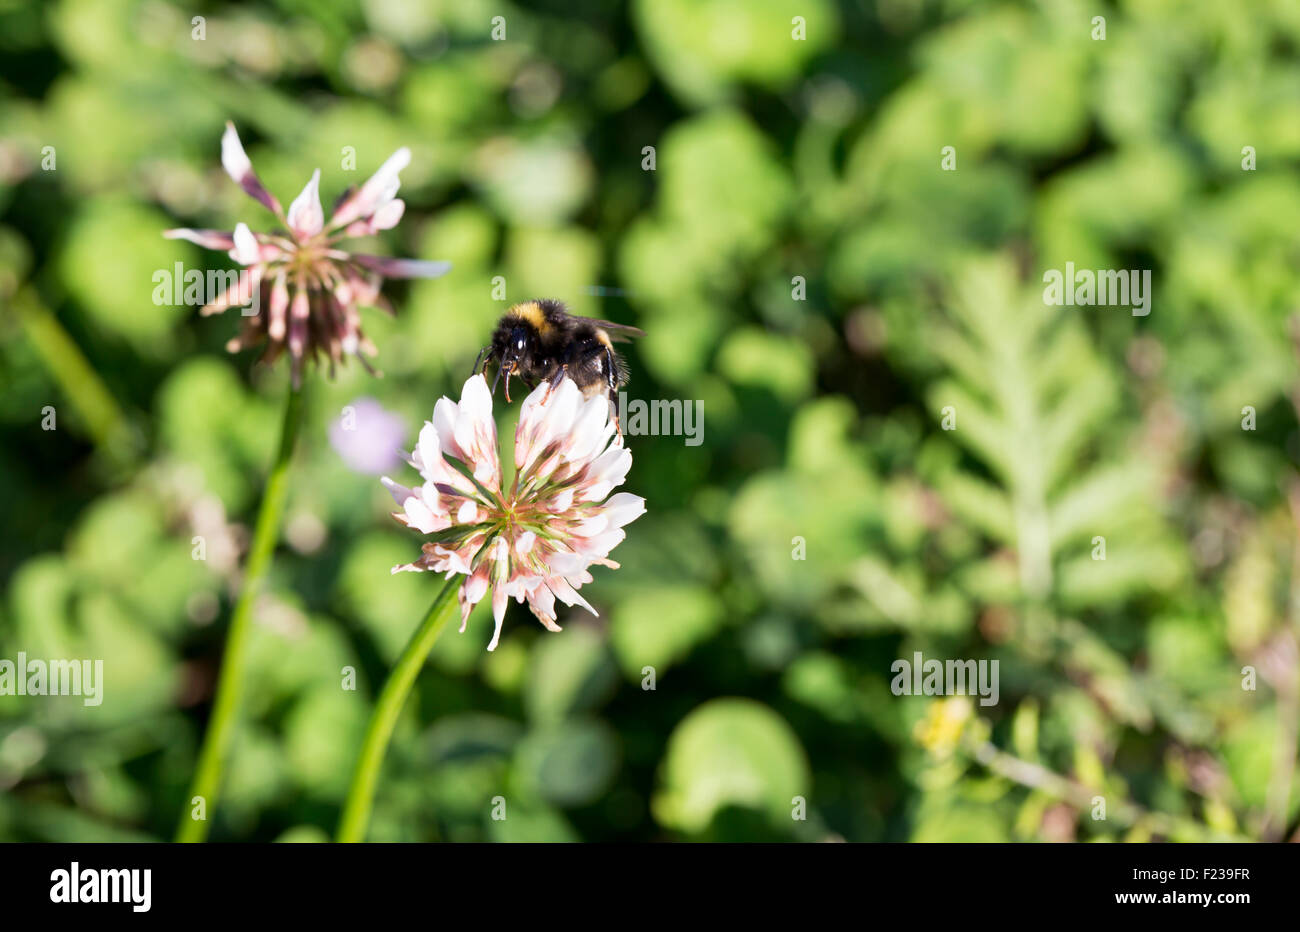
(801, 264)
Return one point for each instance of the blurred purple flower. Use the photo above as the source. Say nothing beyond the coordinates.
(368, 437)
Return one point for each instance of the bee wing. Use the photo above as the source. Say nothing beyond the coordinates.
(618, 333)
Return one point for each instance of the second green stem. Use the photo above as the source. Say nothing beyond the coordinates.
(230, 684)
(361, 794)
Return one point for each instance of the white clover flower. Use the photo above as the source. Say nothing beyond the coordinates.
(537, 540)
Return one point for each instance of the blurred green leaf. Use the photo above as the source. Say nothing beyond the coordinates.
(725, 753)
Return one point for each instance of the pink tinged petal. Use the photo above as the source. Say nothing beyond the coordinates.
(351, 341)
(561, 414)
(543, 420)
(399, 492)
(237, 295)
(349, 321)
(238, 167)
(542, 601)
(561, 502)
(609, 433)
(389, 215)
(524, 544)
(499, 599)
(519, 587)
(580, 459)
(563, 563)
(208, 239)
(476, 398)
(624, 508)
(466, 606)
(526, 428)
(486, 473)
(445, 415)
(597, 548)
(384, 182)
(379, 189)
(429, 450)
(245, 251)
(364, 289)
(465, 514)
(588, 430)
(267, 252)
(475, 431)
(233, 158)
(471, 593)
(567, 594)
(477, 584)
(433, 499)
(543, 469)
(385, 218)
(609, 460)
(592, 526)
(608, 470)
(418, 515)
(454, 561)
(618, 466)
(299, 311)
(402, 268)
(279, 305)
(306, 218)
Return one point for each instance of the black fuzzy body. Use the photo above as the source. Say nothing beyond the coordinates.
(539, 340)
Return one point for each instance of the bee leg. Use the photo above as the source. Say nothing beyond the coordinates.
(481, 354)
(611, 379)
(613, 412)
(555, 380)
(509, 373)
(560, 373)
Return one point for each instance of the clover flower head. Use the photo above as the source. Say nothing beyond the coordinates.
(537, 540)
(309, 289)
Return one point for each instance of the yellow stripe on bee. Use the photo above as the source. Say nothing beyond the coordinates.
(531, 312)
(603, 337)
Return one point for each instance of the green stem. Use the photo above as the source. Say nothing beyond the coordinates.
(361, 795)
(230, 684)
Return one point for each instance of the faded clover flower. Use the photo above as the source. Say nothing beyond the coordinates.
(537, 540)
(311, 289)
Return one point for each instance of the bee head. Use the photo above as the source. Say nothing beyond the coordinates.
(514, 345)
(513, 341)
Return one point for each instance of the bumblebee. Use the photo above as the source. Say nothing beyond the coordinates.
(541, 341)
